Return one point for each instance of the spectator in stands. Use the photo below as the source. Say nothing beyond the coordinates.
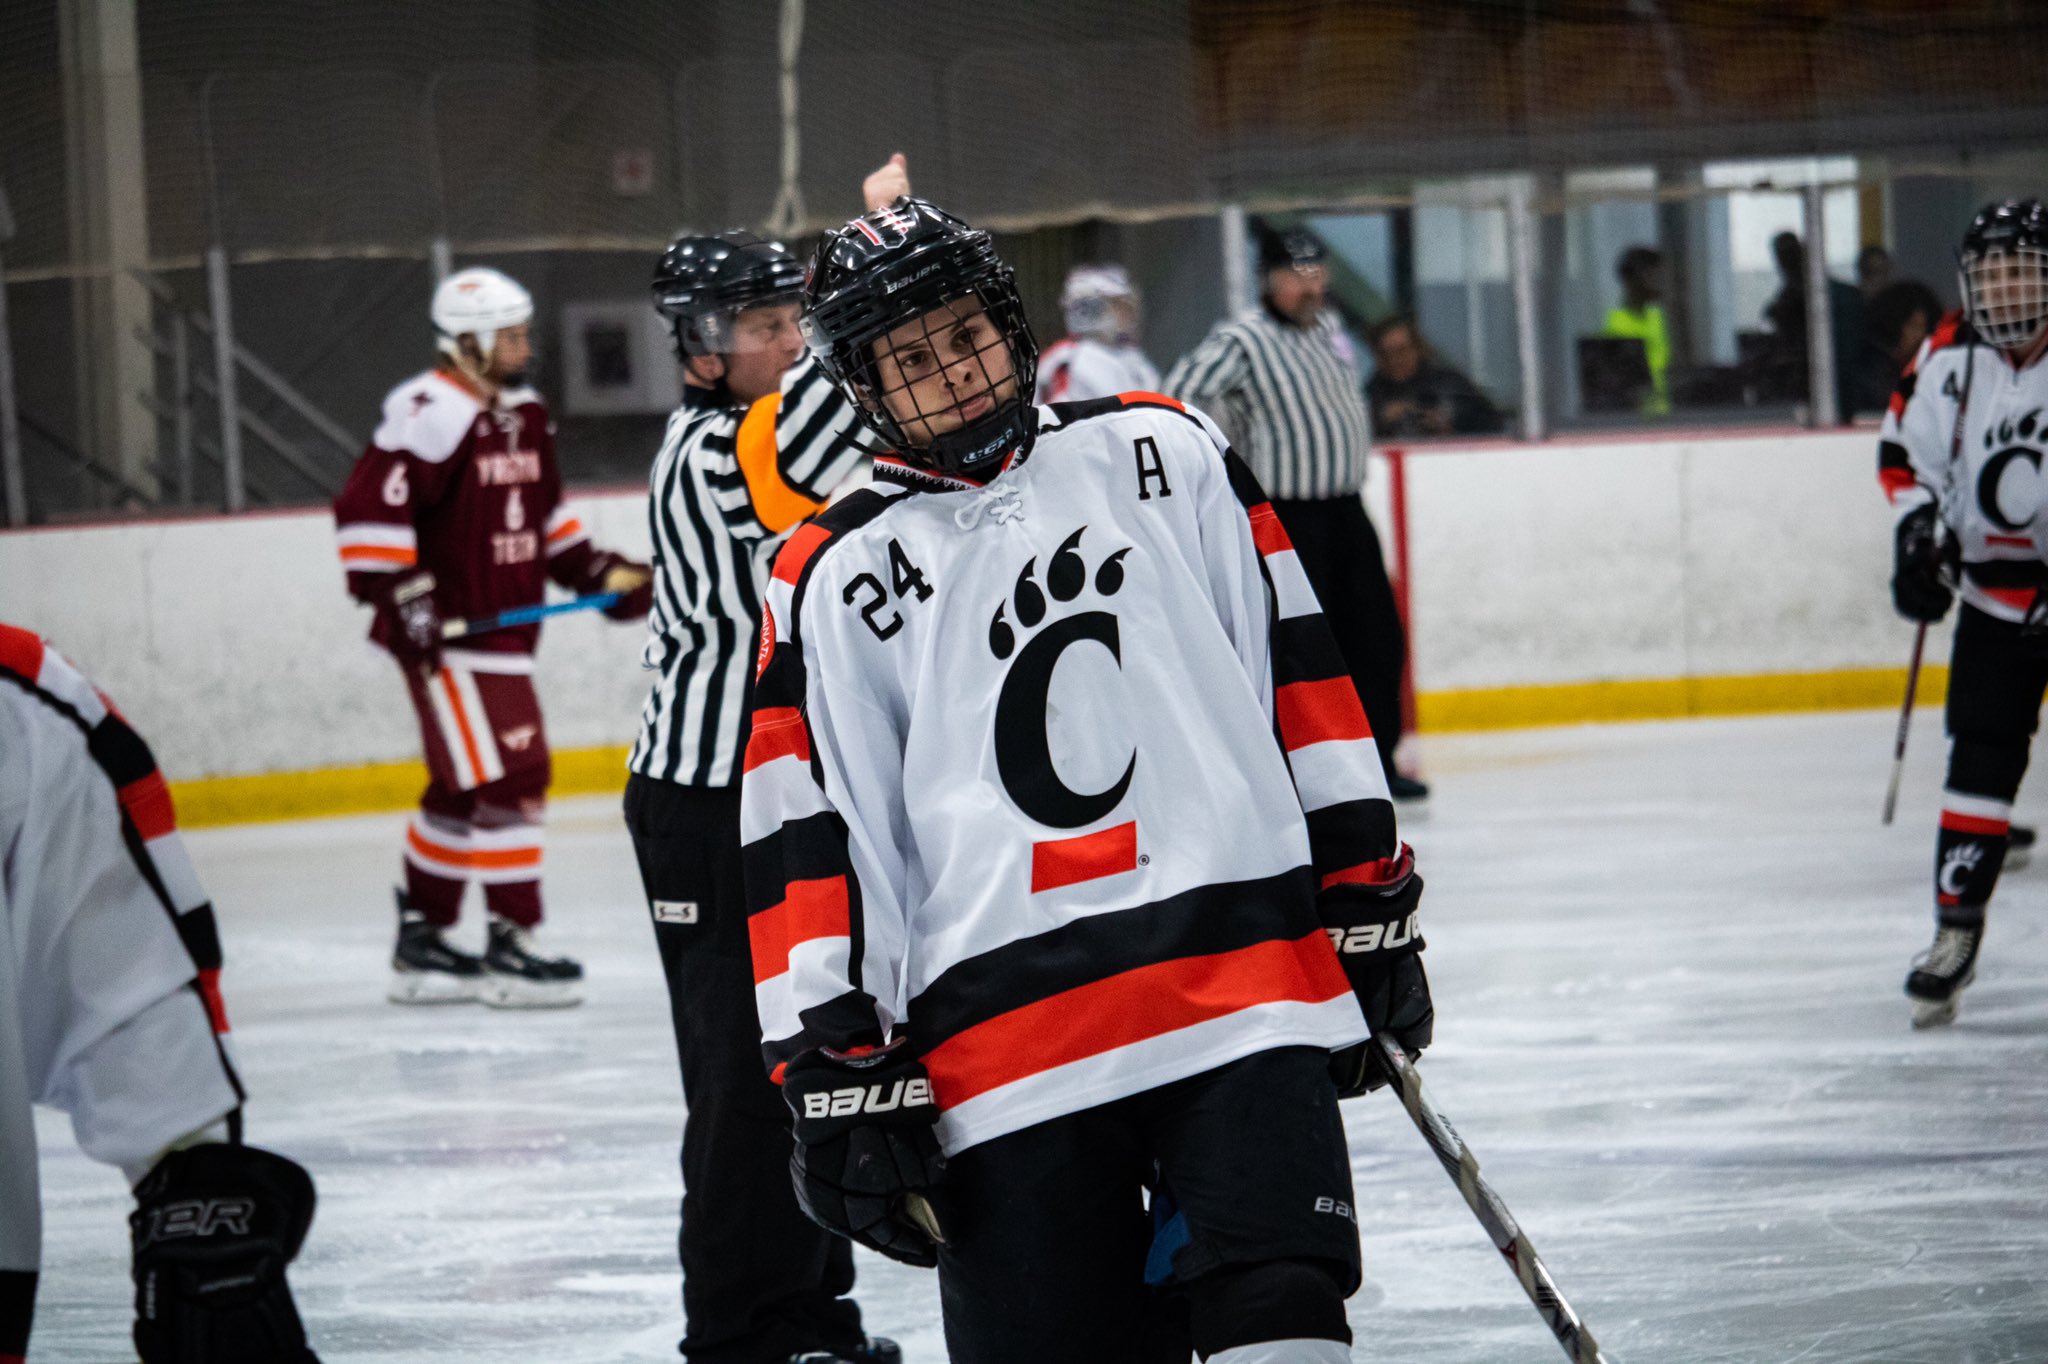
(1641, 318)
(1413, 394)
(1785, 314)
(1901, 315)
(1873, 270)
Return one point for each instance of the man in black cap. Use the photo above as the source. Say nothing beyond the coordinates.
(1283, 383)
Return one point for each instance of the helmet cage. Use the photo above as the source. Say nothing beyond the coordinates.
(2005, 293)
(850, 336)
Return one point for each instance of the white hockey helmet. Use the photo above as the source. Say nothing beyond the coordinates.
(1086, 296)
(478, 302)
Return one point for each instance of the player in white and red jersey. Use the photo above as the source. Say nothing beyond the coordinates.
(456, 511)
(1960, 458)
(1070, 858)
(110, 1010)
(1099, 355)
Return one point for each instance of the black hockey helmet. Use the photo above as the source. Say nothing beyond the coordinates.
(1293, 246)
(894, 266)
(2003, 269)
(701, 284)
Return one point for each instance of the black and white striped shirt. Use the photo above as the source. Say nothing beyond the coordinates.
(1289, 397)
(728, 485)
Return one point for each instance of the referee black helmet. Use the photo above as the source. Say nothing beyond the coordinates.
(702, 284)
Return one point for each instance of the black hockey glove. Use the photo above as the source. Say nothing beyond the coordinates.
(213, 1228)
(866, 1158)
(1924, 563)
(410, 622)
(1381, 951)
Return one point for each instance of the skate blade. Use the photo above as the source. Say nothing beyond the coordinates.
(1933, 1013)
(430, 987)
(514, 992)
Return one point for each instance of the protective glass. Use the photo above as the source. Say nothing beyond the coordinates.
(2006, 293)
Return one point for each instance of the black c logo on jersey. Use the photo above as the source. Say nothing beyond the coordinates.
(1023, 750)
(1988, 480)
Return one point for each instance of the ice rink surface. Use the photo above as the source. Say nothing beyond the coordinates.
(1667, 961)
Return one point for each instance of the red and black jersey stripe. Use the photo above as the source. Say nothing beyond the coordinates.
(1205, 921)
(800, 881)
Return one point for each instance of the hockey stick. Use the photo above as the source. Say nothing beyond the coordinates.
(1891, 792)
(1463, 1168)
(524, 615)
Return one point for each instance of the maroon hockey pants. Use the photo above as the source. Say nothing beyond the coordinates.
(487, 766)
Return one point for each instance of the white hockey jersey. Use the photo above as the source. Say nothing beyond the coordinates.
(109, 963)
(1987, 478)
(1079, 368)
(1046, 775)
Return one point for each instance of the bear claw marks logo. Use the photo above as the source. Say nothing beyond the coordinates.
(1023, 748)
(2014, 439)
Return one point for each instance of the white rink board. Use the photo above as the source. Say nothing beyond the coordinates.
(1652, 559)
(232, 644)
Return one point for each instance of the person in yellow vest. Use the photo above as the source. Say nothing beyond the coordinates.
(1641, 317)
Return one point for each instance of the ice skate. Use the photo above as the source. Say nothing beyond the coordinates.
(872, 1350)
(1936, 983)
(424, 968)
(515, 977)
(2019, 846)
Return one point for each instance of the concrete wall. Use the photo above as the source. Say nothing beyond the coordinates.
(233, 646)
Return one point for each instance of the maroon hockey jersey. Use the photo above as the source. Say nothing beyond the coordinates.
(470, 491)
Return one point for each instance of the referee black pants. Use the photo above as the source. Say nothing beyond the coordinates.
(761, 1281)
(1340, 552)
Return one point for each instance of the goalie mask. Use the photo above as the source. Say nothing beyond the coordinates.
(911, 312)
(2003, 270)
(703, 284)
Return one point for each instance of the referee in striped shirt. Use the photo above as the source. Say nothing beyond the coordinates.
(759, 444)
(1283, 385)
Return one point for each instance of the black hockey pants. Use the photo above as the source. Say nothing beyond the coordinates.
(1048, 1239)
(1340, 553)
(760, 1280)
(1995, 686)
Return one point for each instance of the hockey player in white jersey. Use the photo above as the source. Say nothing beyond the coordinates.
(110, 1010)
(1070, 862)
(1099, 355)
(1960, 457)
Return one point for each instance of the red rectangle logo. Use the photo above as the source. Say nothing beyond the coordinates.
(1090, 857)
